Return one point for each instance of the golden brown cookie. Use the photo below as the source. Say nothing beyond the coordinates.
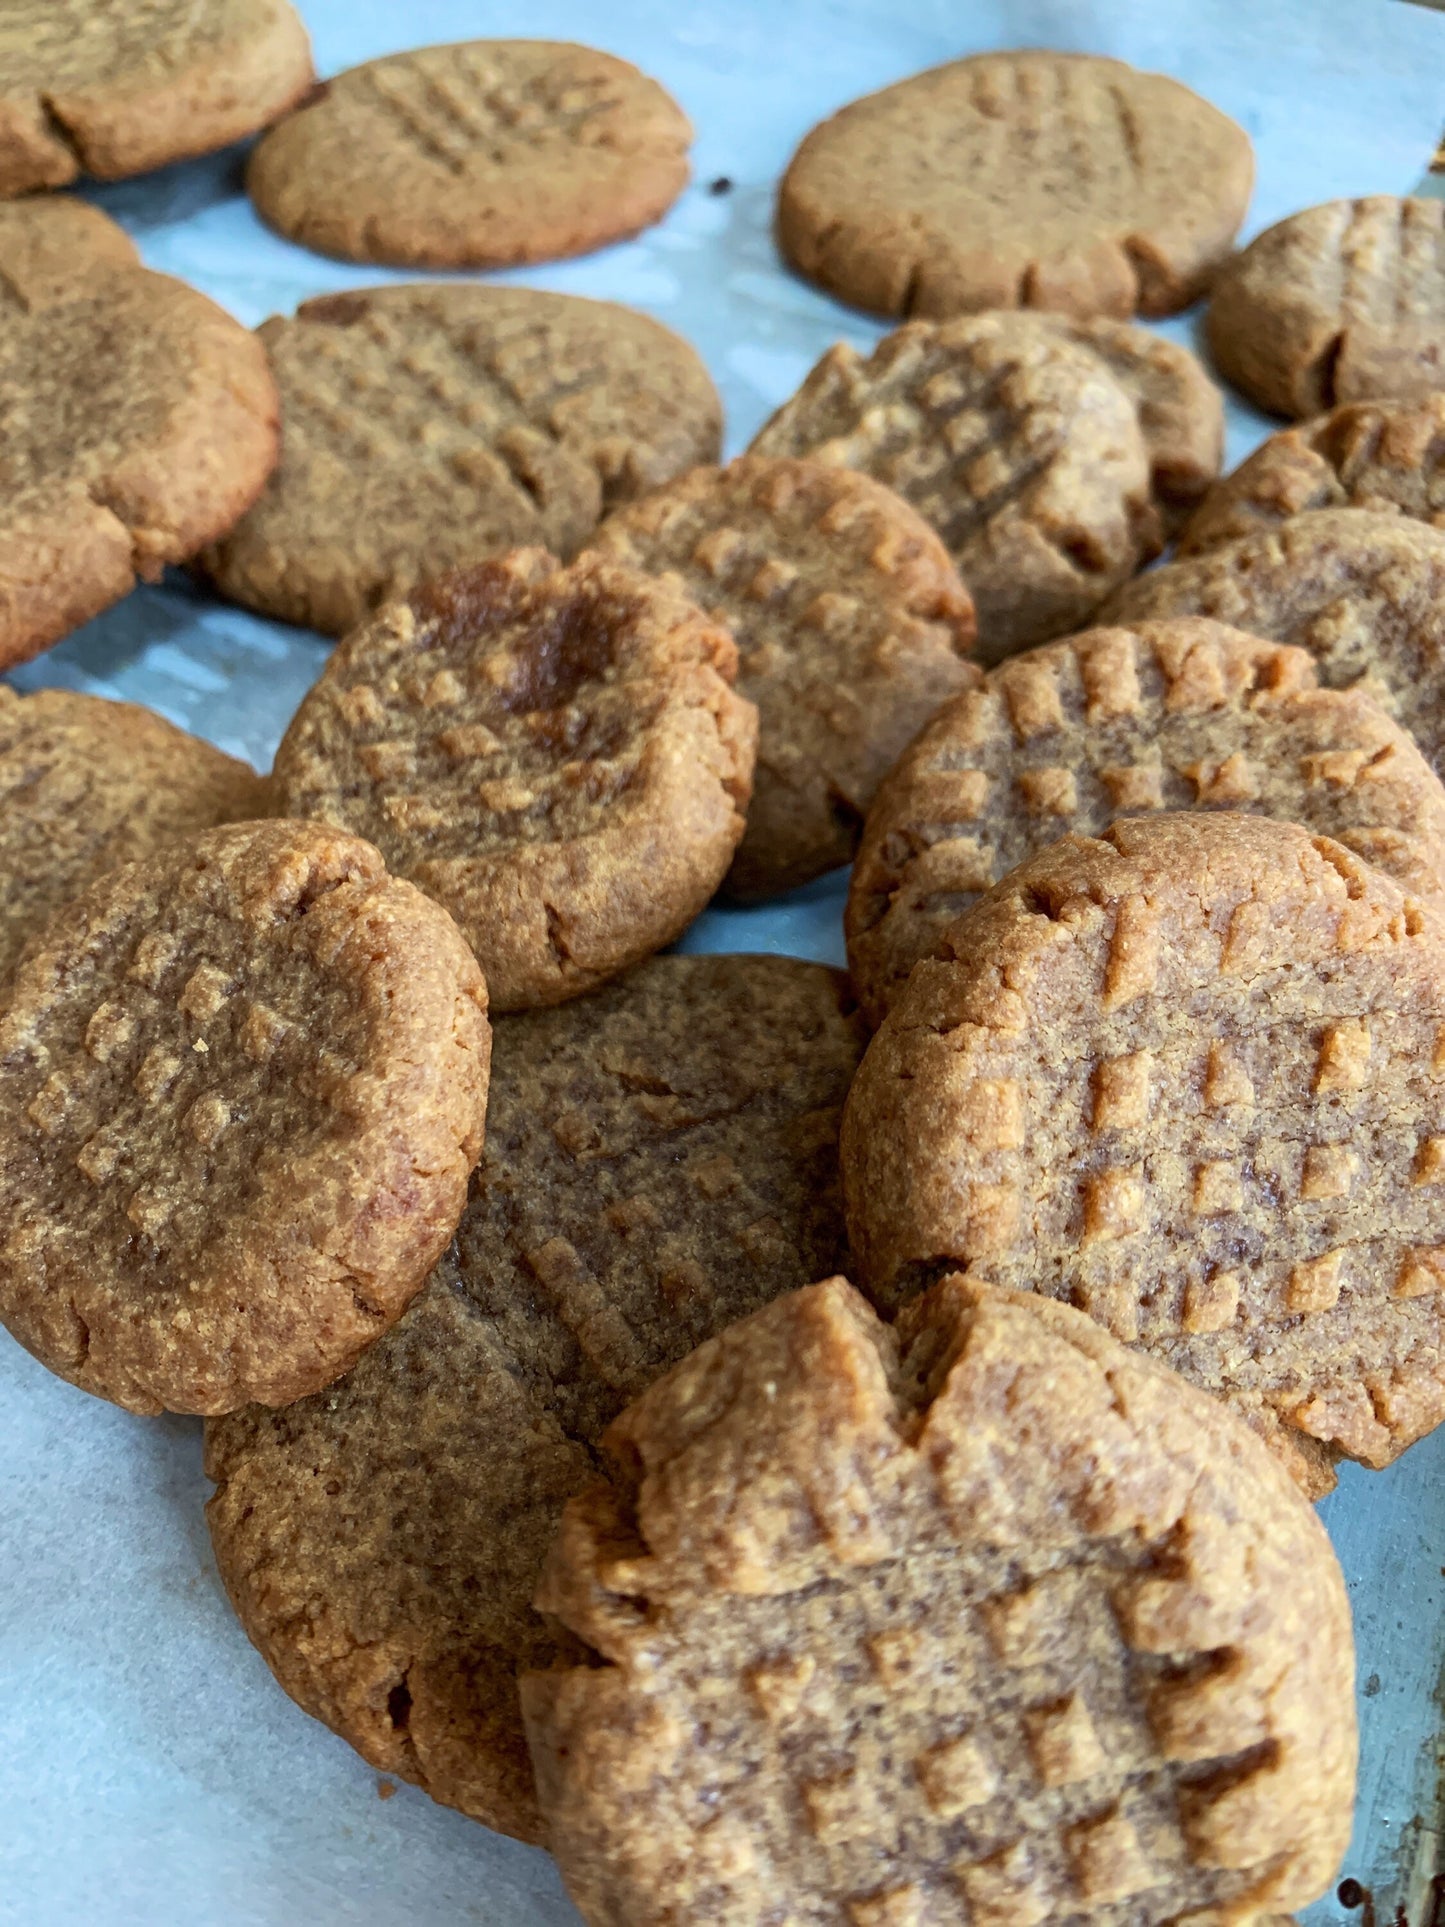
(1175, 715)
(242, 1084)
(1386, 457)
(980, 1620)
(555, 754)
(1365, 594)
(661, 1158)
(114, 89)
(1189, 1078)
(477, 155)
(138, 421)
(851, 627)
(432, 426)
(1018, 444)
(87, 784)
(1019, 180)
(1342, 302)
(55, 238)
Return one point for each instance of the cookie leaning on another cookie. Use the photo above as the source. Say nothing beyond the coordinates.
(1341, 302)
(242, 1085)
(851, 628)
(1385, 457)
(479, 155)
(1021, 179)
(87, 784)
(56, 238)
(662, 1158)
(116, 90)
(1174, 715)
(1365, 594)
(1188, 1077)
(982, 1618)
(555, 754)
(431, 426)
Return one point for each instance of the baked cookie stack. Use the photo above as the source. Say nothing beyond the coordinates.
(811, 1447)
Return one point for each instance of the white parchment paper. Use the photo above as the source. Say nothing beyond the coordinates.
(150, 1769)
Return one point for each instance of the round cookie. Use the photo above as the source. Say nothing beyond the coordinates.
(1187, 1077)
(1365, 594)
(983, 1618)
(87, 784)
(1020, 447)
(1342, 302)
(242, 1084)
(851, 628)
(117, 89)
(555, 754)
(661, 1158)
(429, 427)
(478, 155)
(1175, 715)
(52, 239)
(139, 420)
(1386, 457)
(1018, 180)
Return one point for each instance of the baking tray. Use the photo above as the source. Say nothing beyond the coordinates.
(150, 1769)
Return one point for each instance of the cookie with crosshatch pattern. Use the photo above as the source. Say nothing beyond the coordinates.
(979, 1621)
(429, 426)
(242, 1085)
(1174, 715)
(851, 625)
(1190, 1077)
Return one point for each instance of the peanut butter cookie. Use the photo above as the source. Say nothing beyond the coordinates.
(661, 1158)
(1018, 444)
(981, 1619)
(1175, 715)
(242, 1084)
(555, 754)
(851, 627)
(477, 155)
(1189, 1078)
(87, 784)
(1365, 594)
(1342, 302)
(117, 89)
(429, 427)
(138, 421)
(55, 238)
(1387, 457)
(1018, 180)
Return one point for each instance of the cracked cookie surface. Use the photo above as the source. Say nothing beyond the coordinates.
(980, 1621)
(661, 1158)
(1018, 180)
(139, 420)
(428, 427)
(1191, 1078)
(851, 627)
(1021, 447)
(118, 89)
(1175, 715)
(482, 154)
(555, 754)
(242, 1085)
(87, 784)
(1341, 302)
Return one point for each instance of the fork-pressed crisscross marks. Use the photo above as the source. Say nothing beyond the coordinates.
(1018, 180)
(479, 154)
(1246, 1201)
(429, 427)
(1176, 715)
(851, 628)
(962, 1621)
(1018, 445)
(662, 1158)
(203, 1167)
